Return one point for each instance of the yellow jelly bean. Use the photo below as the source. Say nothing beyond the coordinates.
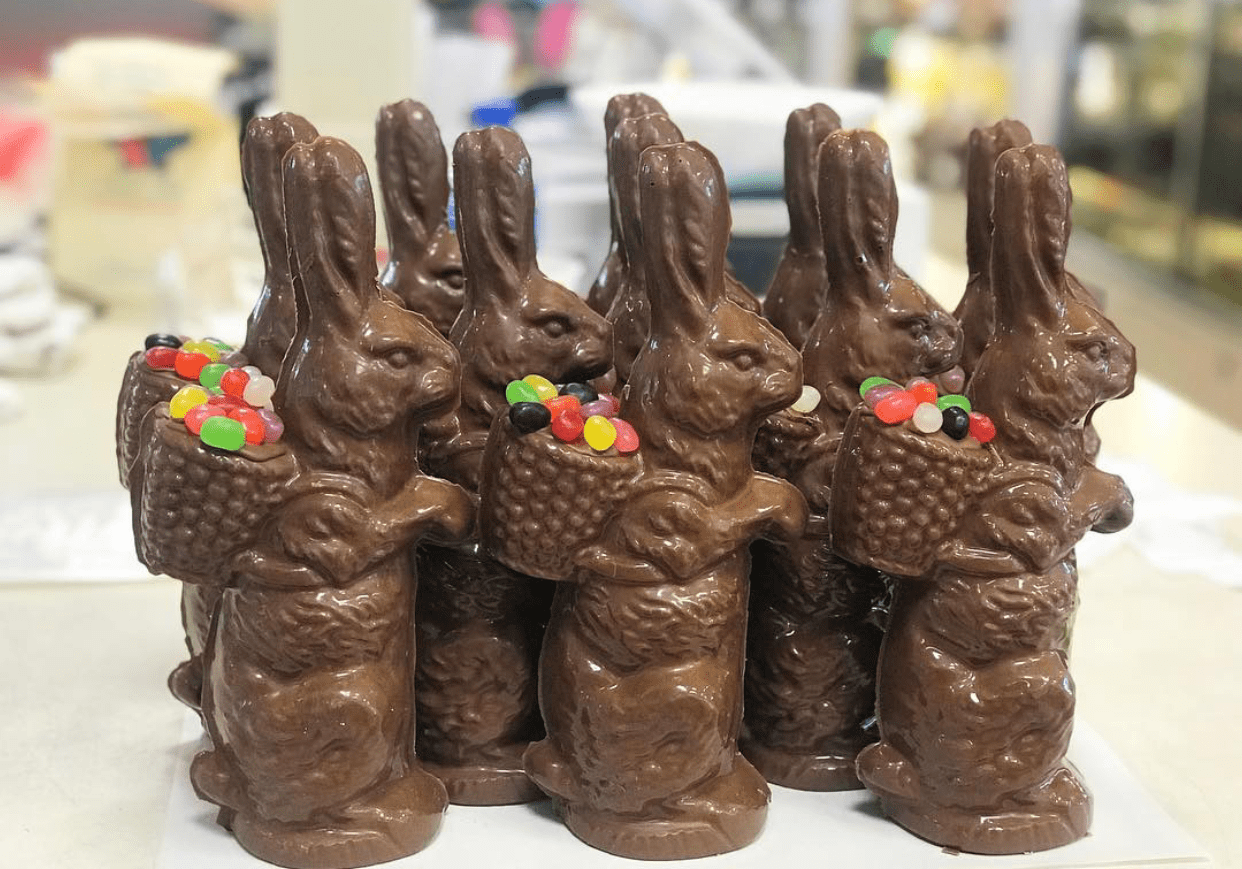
(600, 434)
(186, 398)
(211, 351)
(543, 387)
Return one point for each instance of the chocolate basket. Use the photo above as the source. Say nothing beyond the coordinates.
(142, 388)
(195, 506)
(542, 499)
(898, 494)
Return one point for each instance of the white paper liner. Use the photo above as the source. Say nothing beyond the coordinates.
(803, 829)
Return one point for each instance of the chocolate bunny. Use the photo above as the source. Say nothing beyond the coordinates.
(268, 333)
(796, 294)
(976, 310)
(621, 106)
(480, 624)
(630, 313)
(816, 619)
(975, 698)
(309, 673)
(640, 677)
(424, 260)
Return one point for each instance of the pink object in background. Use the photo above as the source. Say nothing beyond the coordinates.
(554, 34)
(493, 21)
(21, 142)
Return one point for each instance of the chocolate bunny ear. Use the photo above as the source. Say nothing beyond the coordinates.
(625, 149)
(857, 215)
(266, 142)
(495, 199)
(331, 222)
(805, 131)
(685, 211)
(624, 106)
(985, 146)
(413, 172)
(1031, 230)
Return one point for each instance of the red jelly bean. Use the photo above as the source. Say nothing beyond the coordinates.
(567, 425)
(162, 357)
(896, 408)
(234, 381)
(627, 437)
(197, 415)
(190, 365)
(982, 428)
(228, 402)
(923, 389)
(251, 422)
(562, 403)
(613, 400)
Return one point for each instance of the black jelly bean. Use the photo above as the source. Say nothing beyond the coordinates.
(529, 416)
(581, 391)
(956, 422)
(162, 339)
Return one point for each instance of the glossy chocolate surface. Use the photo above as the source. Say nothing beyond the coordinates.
(975, 700)
(640, 678)
(816, 619)
(308, 683)
(796, 294)
(479, 623)
(424, 260)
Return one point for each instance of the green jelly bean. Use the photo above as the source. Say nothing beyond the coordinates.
(871, 382)
(210, 376)
(953, 401)
(223, 433)
(520, 390)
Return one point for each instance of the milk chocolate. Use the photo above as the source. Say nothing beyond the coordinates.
(640, 678)
(479, 623)
(816, 618)
(975, 700)
(309, 669)
(796, 294)
(424, 265)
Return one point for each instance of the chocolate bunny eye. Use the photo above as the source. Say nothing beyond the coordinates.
(744, 360)
(1096, 351)
(401, 357)
(555, 326)
(454, 278)
(918, 326)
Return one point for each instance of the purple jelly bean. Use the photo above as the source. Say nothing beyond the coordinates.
(876, 393)
(273, 428)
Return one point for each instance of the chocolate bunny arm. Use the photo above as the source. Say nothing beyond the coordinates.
(270, 326)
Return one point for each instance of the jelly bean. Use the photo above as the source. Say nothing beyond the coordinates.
(613, 401)
(927, 417)
(871, 382)
(234, 381)
(161, 339)
(875, 393)
(197, 415)
(599, 407)
(251, 422)
(567, 425)
(185, 398)
(226, 401)
(215, 390)
(520, 390)
(259, 391)
(953, 401)
(956, 422)
(954, 379)
(161, 357)
(210, 376)
(923, 389)
(529, 416)
(599, 433)
(584, 392)
(222, 346)
(896, 408)
(562, 403)
(273, 426)
(543, 387)
(807, 401)
(252, 371)
(189, 365)
(223, 433)
(211, 351)
(982, 429)
(627, 437)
